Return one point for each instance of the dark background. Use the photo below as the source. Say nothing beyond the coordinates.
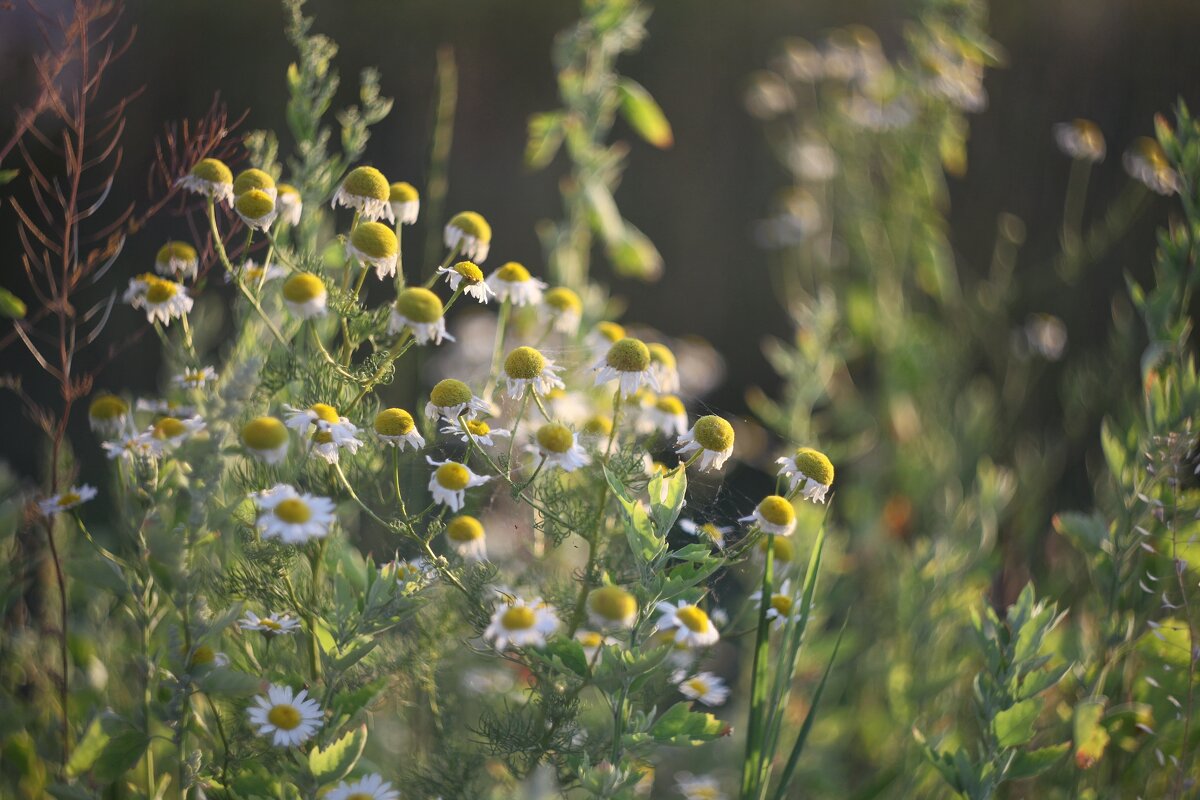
(1115, 62)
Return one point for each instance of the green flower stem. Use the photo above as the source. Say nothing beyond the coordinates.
(327, 356)
(498, 349)
(402, 346)
(491, 462)
(752, 763)
(612, 434)
(542, 407)
(237, 278)
(316, 562)
(396, 480)
(512, 440)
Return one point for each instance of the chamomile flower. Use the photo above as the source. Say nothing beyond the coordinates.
(374, 244)
(304, 295)
(596, 427)
(781, 607)
(405, 202)
(65, 501)
(450, 399)
(470, 233)
(712, 437)
(449, 482)
(169, 408)
(330, 438)
(591, 642)
(410, 573)
(249, 180)
(366, 191)
(289, 719)
(701, 787)
(252, 273)
(265, 438)
(526, 368)
(1145, 161)
(163, 300)
(465, 536)
(706, 531)
(371, 787)
(628, 362)
(808, 470)
(611, 607)
(558, 446)
(667, 414)
(318, 415)
(292, 517)
(602, 337)
(516, 623)
(177, 260)
(289, 203)
(173, 431)
(203, 658)
(256, 208)
(196, 378)
(396, 427)
(477, 430)
(1081, 139)
(705, 687)
(134, 446)
(274, 625)
(784, 551)
(211, 178)
(108, 414)
(469, 273)
(691, 624)
(563, 309)
(774, 514)
(664, 367)
(421, 311)
(513, 282)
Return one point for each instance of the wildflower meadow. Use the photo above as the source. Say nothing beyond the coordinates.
(410, 504)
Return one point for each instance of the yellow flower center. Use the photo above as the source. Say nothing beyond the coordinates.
(374, 240)
(284, 717)
(478, 427)
(394, 422)
(693, 618)
(322, 437)
(629, 355)
(815, 465)
(562, 299)
(453, 476)
(264, 433)
(785, 551)
(518, 618)
(419, 305)
(402, 192)
(169, 428)
(367, 182)
(203, 655)
(669, 404)
(250, 179)
(464, 528)
(712, 533)
(254, 204)
(303, 287)
(610, 331)
(598, 425)
(108, 407)
(325, 412)
(697, 685)
(661, 354)
(175, 250)
(470, 272)
(213, 171)
(449, 393)
(68, 499)
(714, 433)
(782, 604)
(512, 272)
(472, 224)
(612, 603)
(591, 639)
(161, 291)
(524, 363)
(293, 511)
(777, 510)
(270, 624)
(555, 438)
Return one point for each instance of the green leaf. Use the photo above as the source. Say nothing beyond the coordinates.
(12, 306)
(644, 115)
(645, 543)
(1091, 738)
(681, 726)
(569, 653)
(110, 747)
(1034, 762)
(1014, 726)
(667, 492)
(8, 176)
(336, 761)
(545, 137)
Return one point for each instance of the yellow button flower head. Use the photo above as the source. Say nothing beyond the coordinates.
(254, 179)
(526, 368)
(177, 260)
(664, 367)
(784, 550)
(774, 514)
(211, 178)
(1147, 162)
(469, 273)
(712, 437)
(559, 446)
(562, 308)
(512, 282)
(108, 414)
(405, 202)
(471, 234)
(173, 431)
(290, 204)
(265, 438)
(304, 295)
(449, 482)
(375, 245)
(704, 687)
(366, 191)
(419, 310)
(274, 625)
(163, 300)
(450, 399)
(465, 536)
(627, 361)
(396, 427)
(518, 623)
(667, 414)
(808, 470)
(611, 607)
(781, 607)
(691, 624)
(1081, 139)
(256, 208)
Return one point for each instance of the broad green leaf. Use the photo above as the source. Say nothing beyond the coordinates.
(88, 749)
(354, 651)
(1014, 726)
(545, 137)
(1091, 738)
(570, 653)
(644, 115)
(666, 499)
(11, 306)
(110, 746)
(335, 762)
(682, 726)
(646, 545)
(1034, 762)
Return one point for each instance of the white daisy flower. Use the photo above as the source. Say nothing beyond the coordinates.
(371, 787)
(1080, 139)
(712, 437)
(266, 438)
(410, 573)
(519, 624)
(163, 300)
(478, 430)
(108, 414)
(374, 244)
(134, 446)
(627, 361)
(469, 273)
(395, 427)
(471, 234)
(525, 368)
(304, 295)
(781, 608)
(666, 414)
(559, 446)
(1145, 161)
(421, 311)
(366, 191)
(256, 208)
(290, 204)
(203, 658)
(65, 501)
(405, 202)
(513, 282)
(252, 179)
(211, 178)
(592, 641)
(705, 687)
(465, 535)
(775, 515)
(172, 431)
(292, 517)
(450, 399)
(706, 531)
(664, 367)
(449, 482)
(338, 430)
(808, 470)
(562, 308)
(289, 719)
(274, 625)
(692, 626)
(196, 378)
(698, 788)
(611, 607)
(177, 260)
(252, 273)
(332, 437)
